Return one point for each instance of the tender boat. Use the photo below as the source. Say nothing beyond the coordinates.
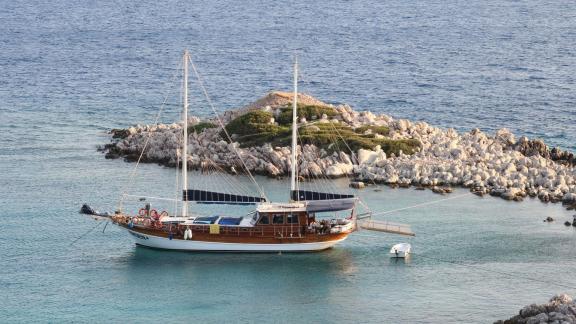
(400, 250)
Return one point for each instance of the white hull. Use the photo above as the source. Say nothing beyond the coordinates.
(188, 245)
(400, 250)
(399, 255)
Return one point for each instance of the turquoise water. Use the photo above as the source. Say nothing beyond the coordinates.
(72, 70)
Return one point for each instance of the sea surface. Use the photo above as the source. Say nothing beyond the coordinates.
(71, 70)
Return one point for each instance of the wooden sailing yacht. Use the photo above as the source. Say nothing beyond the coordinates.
(271, 227)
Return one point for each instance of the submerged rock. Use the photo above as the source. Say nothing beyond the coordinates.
(357, 184)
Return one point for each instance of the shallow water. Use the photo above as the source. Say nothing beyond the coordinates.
(72, 70)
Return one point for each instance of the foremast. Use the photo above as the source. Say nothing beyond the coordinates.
(185, 134)
(293, 175)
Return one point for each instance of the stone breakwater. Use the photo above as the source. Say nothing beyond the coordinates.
(499, 164)
(561, 309)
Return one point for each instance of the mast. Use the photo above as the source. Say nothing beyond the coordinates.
(185, 137)
(293, 180)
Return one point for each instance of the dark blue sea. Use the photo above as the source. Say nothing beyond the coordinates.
(71, 70)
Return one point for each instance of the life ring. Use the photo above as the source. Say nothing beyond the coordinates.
(143, 212)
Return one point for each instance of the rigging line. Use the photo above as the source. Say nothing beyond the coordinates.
(177, 181)
(201, 83)
(324, 183)
(83, 235)
(354, 159)
(335, 142)
(226, 178)
(301, 157)
(420, 205)
(503, 273)
(133, 173)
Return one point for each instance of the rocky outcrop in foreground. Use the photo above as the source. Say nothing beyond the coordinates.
(499, 164)
(561, 309)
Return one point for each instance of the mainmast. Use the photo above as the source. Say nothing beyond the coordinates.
(293, 180)
(185, 137)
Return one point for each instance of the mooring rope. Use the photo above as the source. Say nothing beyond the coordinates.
(420, 205)
(89, 231)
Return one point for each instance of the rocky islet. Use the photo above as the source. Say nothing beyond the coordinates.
(499, 164)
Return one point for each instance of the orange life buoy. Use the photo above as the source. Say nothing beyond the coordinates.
(143, 212)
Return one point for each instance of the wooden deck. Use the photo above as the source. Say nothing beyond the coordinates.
(264, 234)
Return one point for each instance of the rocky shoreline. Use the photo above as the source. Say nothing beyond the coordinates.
(561, 309)
(499, 164)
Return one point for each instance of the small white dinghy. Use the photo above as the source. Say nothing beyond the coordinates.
(400, 250)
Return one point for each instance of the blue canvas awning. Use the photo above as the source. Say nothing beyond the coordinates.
(211, 197)
(303, 195)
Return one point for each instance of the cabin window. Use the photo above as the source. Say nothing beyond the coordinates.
(264, 220)
(278, 219)
(292, 219)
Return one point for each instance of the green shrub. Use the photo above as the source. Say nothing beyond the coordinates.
(408, 146)
(244, 125)
(382, 130)
(309, 112)
(254, 129)
(200, 127)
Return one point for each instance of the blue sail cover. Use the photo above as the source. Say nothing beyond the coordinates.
(211, 197)
(303, 195)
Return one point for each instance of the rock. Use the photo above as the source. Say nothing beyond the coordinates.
(540, 318)
(357, 184)
(567, 223)
(497, 164)
(339, 169)
(441, 191)
(560, 309)
(561, 299)
(549, 219)
(569, 198)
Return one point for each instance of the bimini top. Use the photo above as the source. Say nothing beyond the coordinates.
(312, 206)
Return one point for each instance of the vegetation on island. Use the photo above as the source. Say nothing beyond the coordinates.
(256, 128)
(309, 112)
(200, 127)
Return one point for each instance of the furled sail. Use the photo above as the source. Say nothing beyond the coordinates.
(323, 202)
(318, 206)
(211, 197)
(302, 195)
